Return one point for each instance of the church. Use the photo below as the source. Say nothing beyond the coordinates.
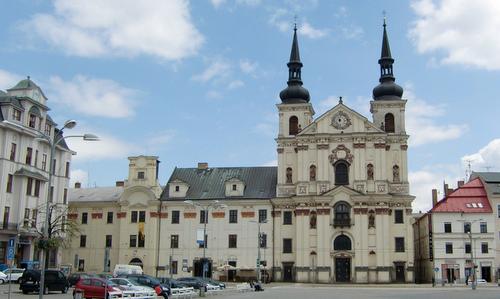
(336, 209)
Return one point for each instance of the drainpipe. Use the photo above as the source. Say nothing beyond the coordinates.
(158, 237)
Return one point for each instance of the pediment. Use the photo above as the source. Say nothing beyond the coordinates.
(340, 119)
(340, 189)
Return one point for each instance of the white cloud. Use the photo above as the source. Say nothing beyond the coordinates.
(309, 31)
(421, 121)
(271, 163)
(95, 97)
(352, 31)
(8, 79)
(119, 27)
(79, 176)
(247, 66)
(216, 70)
(487, 158)
(214, 95)
(217, 3)
(235, 84)
(465, 31)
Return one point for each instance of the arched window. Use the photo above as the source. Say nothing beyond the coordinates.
(369, 171)
(341, 173)
(342, 214)
(312, 173)
(342, 242)
(371, 219)
(293, 125)
(395, 173)
(289, 174)
(389, 123)
(312, 220)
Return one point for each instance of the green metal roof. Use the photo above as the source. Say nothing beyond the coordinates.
(25, 84)
(260, 182)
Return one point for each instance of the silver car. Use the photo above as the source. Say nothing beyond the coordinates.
(133, 289)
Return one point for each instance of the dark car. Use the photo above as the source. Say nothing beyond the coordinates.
(150, 281)
(55, 280)
(195, 282)
(173, 283)
(73, 278)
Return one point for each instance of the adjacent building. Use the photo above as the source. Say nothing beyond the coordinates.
(24, 169)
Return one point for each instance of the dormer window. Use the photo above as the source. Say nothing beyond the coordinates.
(140, 175)
(235, 187)
(16, 114)
(32, 122)
(177, 188)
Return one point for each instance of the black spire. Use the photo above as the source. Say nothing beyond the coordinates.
(294, 93)
(387, 89)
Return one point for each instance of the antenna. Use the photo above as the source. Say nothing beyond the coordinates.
(487, 168)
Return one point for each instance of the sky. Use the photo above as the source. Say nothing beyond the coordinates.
(198, 81)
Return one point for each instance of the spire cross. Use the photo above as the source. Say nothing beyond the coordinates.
(295, 23)
(384, 14)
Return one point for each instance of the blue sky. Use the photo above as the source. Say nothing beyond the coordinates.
(198, 81)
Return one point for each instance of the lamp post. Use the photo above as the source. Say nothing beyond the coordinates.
(53, 143)
(469, 233)
(258, 246)
(205, 208)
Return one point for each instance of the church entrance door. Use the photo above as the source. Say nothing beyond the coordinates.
(342, 269)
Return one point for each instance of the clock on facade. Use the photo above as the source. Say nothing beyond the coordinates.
(341, 120)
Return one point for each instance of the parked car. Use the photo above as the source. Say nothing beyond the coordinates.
(3, 277)
(126, 269)
(73, 278)
(149, 281)
(14, 274)
(479, 281)
(214, 282)
(55, 280)
(195, 282)
(95, 287)
(173, 283)
(133, 289)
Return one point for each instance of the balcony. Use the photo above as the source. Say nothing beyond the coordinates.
(342, 222)
(8, 227)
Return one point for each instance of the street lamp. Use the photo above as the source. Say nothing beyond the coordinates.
(259, 238)
(205, 208)
(54, 142)
(469, 233)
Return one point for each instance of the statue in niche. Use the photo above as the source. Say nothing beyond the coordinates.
(371, 219)
(395, 173)
(289, 175)
(369, 172)
(312, 220)
(312, 173)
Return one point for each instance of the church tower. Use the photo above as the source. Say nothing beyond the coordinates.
(387, 107)
(295, 113)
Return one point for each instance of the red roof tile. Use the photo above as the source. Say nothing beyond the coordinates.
(470, 198)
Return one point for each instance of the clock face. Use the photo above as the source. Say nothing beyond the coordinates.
(341, 120)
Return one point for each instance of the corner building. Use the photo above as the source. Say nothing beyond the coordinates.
(342, 210)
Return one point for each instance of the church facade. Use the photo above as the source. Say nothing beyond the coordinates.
(336, 209)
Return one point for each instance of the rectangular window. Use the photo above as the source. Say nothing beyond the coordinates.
(83, 240)
(48, 129)
(109, 218)
(233, 216)
(29, 155)
(51, 195)
(109, 241)
(141, 240)
(287, 245)
(262, 216)
(32, 122)
(133, 217)
(6, 212)
(66, 172)
(26, 213)
(85, 216)
(400, 244)
(133, 240)
(233, 241)
(140, 175)
(37, 188)
(34, 215)
(29, 187)
(175, 217)
(467, 227)
(398, 216)
(467, 248)
(287, 217)
(36, 159)
(142, 216)
(484, 227)
(54, 167)
(449, 248)
(235, 187)
(10, 179)
(447, 227)
(203, 216)
(16, 114)
(484, 247)
(13, 148)
(177, 188)
(174, 241)
(174, 267)
(44, 161)
(65, 196)
(263, 240)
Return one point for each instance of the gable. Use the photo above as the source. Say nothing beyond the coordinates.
(340, 119)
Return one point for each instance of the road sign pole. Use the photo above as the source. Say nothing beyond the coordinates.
(10, 260)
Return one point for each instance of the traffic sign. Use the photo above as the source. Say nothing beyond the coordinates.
(10, 249)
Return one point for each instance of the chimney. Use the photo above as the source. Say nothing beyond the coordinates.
(120, 183)
(446, 189)
(460, 184)
(434, 197)
(78, 185)
(202, 165)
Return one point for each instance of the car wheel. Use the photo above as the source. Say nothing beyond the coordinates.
(65, 290)
(1, 281)
(19, 280)
(25, 292)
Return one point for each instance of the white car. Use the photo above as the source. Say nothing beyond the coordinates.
(13, 274)
(3, 277)
(479, 281)
(133, 289)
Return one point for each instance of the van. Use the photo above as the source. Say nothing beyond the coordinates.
(127, 269)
